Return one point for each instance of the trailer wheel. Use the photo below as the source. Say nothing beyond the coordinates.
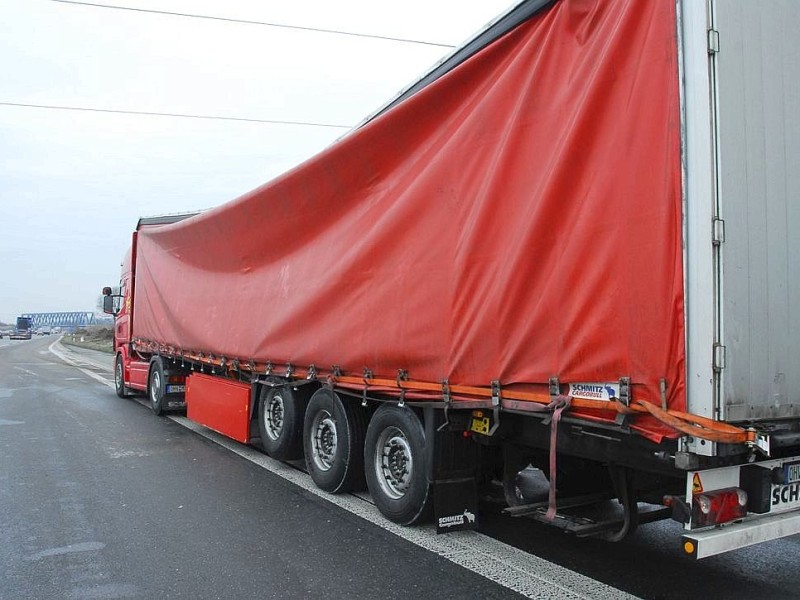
(280, 422)
(119, 378)
(333, 441)
(396, 473)
(156, 387)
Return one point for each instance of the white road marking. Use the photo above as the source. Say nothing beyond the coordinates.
(26, 371)
(510, 567)
(82, 547)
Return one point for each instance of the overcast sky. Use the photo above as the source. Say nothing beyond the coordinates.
(74, 183)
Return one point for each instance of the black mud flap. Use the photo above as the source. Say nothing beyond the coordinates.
(453, 465)
(455, 504)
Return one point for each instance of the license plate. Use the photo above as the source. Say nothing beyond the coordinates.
(791, 472)
(480, 425)
(176, 389)
(787, 496)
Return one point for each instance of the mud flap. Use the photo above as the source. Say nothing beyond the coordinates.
(453, 463)
(455, 504)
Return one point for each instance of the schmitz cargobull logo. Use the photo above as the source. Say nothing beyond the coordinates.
(466, 518)
(594, 391)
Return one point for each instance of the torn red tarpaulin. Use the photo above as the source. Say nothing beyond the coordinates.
(519, 218)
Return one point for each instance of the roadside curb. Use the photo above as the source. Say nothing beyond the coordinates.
(82, 363)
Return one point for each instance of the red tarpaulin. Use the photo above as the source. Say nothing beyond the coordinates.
(519, 218)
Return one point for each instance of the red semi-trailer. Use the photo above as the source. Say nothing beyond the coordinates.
(571, 246)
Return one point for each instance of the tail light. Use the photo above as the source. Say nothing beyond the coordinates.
(176, 379)
(719, 506)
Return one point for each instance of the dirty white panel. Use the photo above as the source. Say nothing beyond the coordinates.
(758, 116)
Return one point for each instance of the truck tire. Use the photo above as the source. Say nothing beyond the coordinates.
(333, 441)
(119, 378)
(280, 422)
(396, 465)
(156, 387)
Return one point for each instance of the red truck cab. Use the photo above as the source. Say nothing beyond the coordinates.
(134, 372)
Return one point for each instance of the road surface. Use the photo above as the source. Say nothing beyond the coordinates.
(100, 499)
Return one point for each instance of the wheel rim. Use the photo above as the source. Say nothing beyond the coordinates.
(393, 462)
(155, 387)
(118, 376)
(274, 417)
(323, 440)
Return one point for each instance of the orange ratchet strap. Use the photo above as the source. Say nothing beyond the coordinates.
(686, 423)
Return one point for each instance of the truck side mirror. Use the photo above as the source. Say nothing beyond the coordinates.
(108, 305)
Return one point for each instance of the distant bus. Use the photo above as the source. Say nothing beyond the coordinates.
(23, 329)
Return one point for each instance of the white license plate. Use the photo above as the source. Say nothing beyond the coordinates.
(791, 472)
(176, 389)
(787, 496)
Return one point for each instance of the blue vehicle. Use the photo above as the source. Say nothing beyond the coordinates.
(23, 329)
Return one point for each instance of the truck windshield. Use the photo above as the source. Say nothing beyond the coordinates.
(23, 323)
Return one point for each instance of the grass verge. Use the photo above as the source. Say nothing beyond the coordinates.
(94, 338)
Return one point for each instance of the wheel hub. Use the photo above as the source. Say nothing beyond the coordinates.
(155, 387)
(394, 462)
(274, 417)
(324, 441)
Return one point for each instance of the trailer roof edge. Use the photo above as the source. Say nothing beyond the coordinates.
(514, 17)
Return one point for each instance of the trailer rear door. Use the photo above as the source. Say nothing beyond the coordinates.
(755, 66)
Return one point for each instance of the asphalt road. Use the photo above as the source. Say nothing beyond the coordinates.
(100, 499)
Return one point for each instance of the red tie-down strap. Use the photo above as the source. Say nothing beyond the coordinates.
(558, 406)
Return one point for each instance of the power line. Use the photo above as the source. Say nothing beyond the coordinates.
(181, 115)
(248, 22)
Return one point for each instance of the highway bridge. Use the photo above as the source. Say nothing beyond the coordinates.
(67, 320)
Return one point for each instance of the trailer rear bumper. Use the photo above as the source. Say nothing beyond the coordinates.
(702, 544)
